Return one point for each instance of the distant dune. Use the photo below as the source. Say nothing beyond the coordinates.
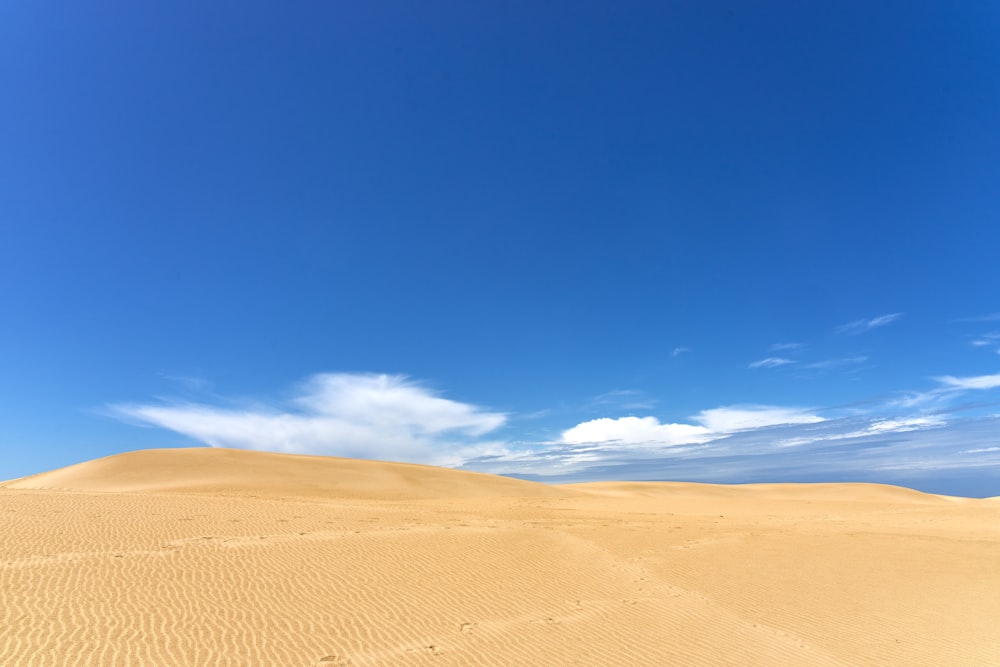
(224, 557)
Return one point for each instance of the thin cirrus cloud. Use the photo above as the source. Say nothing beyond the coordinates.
(973, 382)
(829, 364)
(991, 339)
(339, 414)
(771, 362)
(863, 325)
(786, 347)
(949, 387)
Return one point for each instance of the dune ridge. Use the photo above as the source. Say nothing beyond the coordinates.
(227, 557)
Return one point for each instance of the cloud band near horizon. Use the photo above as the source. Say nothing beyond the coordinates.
(391, 417)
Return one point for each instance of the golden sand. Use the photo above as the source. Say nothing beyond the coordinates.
(219, 557)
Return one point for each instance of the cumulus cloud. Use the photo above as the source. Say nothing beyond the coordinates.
(711, 425)
(635, 430)
(339, 414)
(771, 362)
(863, 325)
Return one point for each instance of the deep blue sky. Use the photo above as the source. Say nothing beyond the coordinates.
(458, 233)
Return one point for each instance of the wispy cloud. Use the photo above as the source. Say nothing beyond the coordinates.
(949, 388)
(829, 364)
(625, 399)
(864, 429)
(771, 362)
(990, 339)
(861, 326)
(338, 414)
(786, 347)
(678, 351)
(974, 382)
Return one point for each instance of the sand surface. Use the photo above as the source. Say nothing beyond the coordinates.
(218, 557)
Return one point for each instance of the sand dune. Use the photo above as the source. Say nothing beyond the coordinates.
(211, 470)
(219, 557)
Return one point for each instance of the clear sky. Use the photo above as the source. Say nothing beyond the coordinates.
(564, 240)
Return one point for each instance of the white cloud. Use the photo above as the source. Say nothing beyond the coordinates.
(678, 351)
(974, 382)
(905, 424)
(340, 414)
(738, 418)
(771, 362)
(635, 430)
(949, 387)
(861, 326)
(712, 425)
(391, 400)
(913, 399)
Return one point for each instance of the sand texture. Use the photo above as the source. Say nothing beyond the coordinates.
(217, 557)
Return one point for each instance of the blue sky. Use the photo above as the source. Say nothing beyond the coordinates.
(565, 240)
